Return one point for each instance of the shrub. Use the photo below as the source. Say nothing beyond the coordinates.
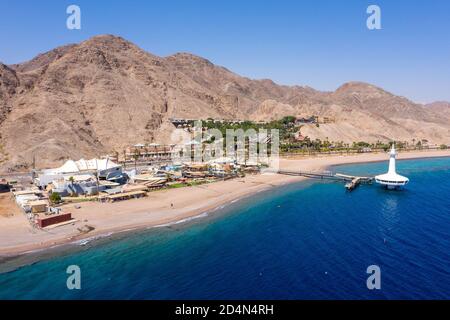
(55, 197)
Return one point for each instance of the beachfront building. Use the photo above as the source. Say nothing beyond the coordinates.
(149, 181)
(24, 197)
(223, 166)
(80, 185)
(44, 220)
(391, 179)
(103, 169)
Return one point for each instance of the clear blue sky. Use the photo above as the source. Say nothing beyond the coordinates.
(320, 43)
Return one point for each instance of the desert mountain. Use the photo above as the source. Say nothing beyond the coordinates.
(96, 97)
(441, 108)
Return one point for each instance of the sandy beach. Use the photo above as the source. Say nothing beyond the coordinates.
(17, 237)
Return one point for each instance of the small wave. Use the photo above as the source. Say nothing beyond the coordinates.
(235, 200)
(43, 249)
(202, 215)
(84, 242)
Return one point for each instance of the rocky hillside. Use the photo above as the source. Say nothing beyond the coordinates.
(92, 98)
(441, 108)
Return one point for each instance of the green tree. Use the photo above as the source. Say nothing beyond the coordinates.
(288, 120)
(72, 180)
(55, 197)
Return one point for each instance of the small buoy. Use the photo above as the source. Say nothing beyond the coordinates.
(326, 272)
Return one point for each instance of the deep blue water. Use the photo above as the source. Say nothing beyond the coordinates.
(309, 240)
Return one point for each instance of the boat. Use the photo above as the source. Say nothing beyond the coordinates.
(391, 179)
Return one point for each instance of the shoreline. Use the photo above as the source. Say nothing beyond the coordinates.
(154, 211)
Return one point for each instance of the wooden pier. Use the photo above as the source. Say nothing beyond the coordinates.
(352, 182)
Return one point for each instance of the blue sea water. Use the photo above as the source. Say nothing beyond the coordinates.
(311, 240)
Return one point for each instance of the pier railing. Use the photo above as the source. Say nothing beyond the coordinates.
(327, 175)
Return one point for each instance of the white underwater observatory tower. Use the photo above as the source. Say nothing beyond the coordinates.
(391, 179)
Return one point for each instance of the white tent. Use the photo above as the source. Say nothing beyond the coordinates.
(68, 167)
(83, 165)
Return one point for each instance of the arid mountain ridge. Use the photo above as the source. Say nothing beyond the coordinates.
(99, 96)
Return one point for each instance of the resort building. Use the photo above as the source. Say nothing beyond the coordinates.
(148, 153)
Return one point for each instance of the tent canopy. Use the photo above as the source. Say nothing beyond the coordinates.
(83, 165)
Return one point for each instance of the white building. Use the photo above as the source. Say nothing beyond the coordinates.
(391, 179)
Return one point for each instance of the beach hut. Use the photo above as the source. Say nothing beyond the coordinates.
(38, 206)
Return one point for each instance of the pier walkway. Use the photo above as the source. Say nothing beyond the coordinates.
(351, 181)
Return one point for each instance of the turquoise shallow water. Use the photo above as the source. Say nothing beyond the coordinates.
(311, 240)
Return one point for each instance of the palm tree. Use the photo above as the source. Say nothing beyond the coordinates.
(71, 180)
(136, 157)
